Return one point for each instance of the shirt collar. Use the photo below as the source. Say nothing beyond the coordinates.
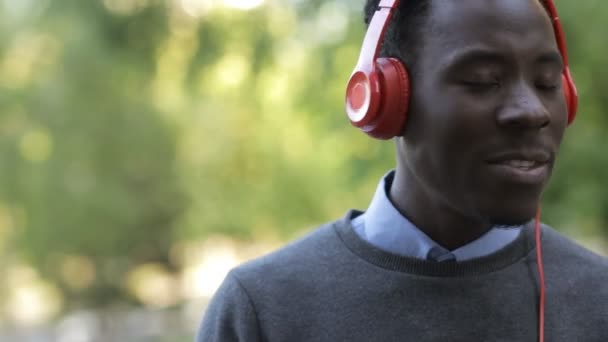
(385, 227)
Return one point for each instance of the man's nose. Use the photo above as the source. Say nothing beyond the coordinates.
(524, 109)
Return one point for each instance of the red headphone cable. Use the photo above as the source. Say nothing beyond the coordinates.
(541, 275)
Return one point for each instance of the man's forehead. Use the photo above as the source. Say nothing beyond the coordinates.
(517, 14)
(459, 23)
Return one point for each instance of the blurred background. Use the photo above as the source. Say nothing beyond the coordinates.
(148, 146)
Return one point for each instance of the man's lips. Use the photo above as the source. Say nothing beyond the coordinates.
(522, 167)
(520, 164)
(521, 158)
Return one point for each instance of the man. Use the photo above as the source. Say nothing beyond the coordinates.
(446, 250)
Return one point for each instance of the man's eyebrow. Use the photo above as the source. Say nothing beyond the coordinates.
(474, 55)
(481, 55)
(552, 57)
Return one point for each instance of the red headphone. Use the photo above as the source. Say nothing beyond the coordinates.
(378, 92)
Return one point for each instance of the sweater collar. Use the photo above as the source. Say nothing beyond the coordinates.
(510, 254)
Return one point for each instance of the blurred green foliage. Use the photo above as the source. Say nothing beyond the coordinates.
(127, 126)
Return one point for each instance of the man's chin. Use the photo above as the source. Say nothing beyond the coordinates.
(512, 218)
(510, 210)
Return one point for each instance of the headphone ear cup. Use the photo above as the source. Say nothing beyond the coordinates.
(570, 95)
(395, 97)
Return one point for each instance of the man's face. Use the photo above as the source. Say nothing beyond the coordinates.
(488, 110)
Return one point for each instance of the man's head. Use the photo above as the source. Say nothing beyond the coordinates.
(487, 111)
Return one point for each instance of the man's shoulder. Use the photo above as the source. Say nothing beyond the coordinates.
(317, 251)
(567, 247)
(572, 258)
(575, 276)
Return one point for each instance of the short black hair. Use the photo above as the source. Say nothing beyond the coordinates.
(403, 38)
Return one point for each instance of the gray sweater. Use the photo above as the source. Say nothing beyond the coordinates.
(332, 286)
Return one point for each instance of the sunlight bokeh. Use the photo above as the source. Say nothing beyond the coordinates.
(243, 4)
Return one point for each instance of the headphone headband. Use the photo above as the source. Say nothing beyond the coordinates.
(570, 91)
(560, 37)
(375, 34)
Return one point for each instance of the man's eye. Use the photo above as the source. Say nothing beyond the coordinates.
(549, 81)
(548, 86)
(481, 86)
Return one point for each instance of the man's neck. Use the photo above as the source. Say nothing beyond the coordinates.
(433, 216)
